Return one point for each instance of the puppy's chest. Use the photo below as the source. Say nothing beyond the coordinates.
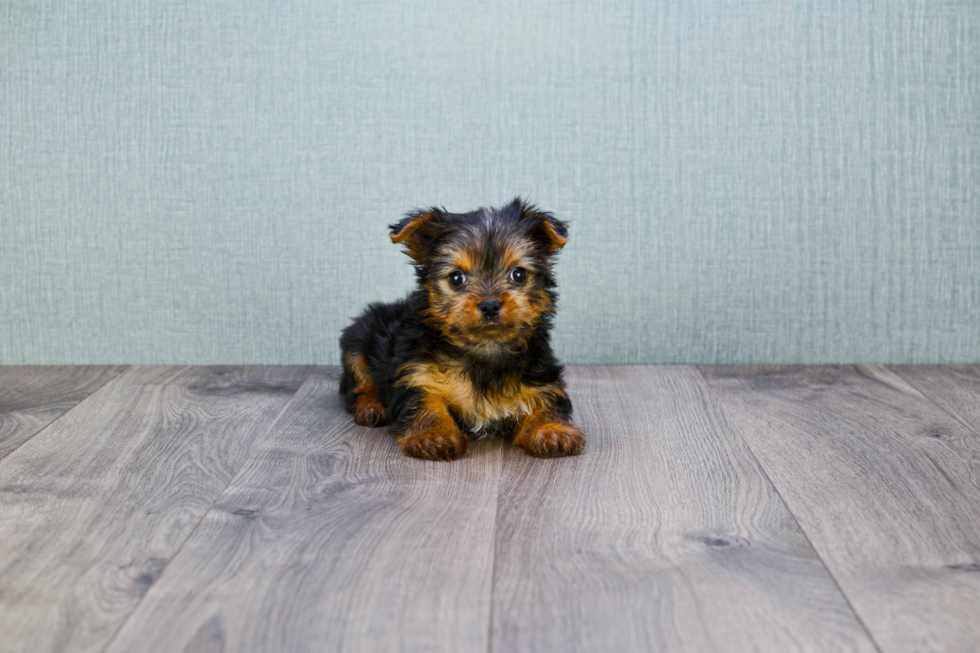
(483, 410)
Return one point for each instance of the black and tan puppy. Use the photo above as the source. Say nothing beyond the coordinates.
(467, 354)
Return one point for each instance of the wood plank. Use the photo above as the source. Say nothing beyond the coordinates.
(31, 397)
(331, 539)
(664, 535)
(93, 507)
(885, 484)
(954, 388)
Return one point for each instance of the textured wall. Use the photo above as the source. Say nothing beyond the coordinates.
(765, 181)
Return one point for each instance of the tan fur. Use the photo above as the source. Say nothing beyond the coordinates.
(514, 255)
(447, 380)
(368, 408)
(433, 434)
(545, 435)
(406, 232)
(556, 240)
(362, 375)
(464, 260)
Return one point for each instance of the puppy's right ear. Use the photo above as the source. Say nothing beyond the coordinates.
(418, 230)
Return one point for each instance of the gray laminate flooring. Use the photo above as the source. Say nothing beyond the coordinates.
(715, 509)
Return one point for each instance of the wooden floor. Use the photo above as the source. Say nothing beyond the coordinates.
(715, 509)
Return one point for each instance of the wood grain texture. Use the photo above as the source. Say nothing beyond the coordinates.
(885, 484)
(93, 508)
(331, 539)
(664, 535)
(33, 397)
(954, 388)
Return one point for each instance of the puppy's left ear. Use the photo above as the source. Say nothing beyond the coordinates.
(418, 230)
(545, 228)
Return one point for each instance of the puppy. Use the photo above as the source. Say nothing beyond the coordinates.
(467, 354)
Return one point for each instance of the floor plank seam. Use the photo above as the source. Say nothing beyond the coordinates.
(493, 560)
(61, 416)
(258, 441)
(720, 405)
(928, 396)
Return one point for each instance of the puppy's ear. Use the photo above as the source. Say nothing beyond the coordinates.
(418, 230)
(550, 232)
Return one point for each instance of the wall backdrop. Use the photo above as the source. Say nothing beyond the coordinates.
(747, 181)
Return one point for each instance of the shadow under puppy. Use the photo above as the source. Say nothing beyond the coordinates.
(467, 354)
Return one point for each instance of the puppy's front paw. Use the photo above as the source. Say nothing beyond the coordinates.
(552, 439)
(369, 411)
(435, 444)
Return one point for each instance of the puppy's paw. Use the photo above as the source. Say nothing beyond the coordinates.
(435, 444)
(369, 411)
(552, 439)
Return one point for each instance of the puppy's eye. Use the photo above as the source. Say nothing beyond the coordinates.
(518, 275)
(457, 278)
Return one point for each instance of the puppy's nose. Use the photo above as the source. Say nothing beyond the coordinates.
(490, 308)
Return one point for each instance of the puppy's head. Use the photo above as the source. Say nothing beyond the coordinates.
(487, 273)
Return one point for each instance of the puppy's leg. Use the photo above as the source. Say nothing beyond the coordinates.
(432, 433)
(547, 432)
(368, 408)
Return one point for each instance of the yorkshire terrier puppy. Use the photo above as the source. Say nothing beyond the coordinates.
(467, 354)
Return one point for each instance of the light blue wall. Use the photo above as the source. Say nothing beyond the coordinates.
(758, 181)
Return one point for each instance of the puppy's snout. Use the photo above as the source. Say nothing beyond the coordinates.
(490, 308)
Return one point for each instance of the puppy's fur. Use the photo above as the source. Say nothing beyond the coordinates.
(466, 354)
